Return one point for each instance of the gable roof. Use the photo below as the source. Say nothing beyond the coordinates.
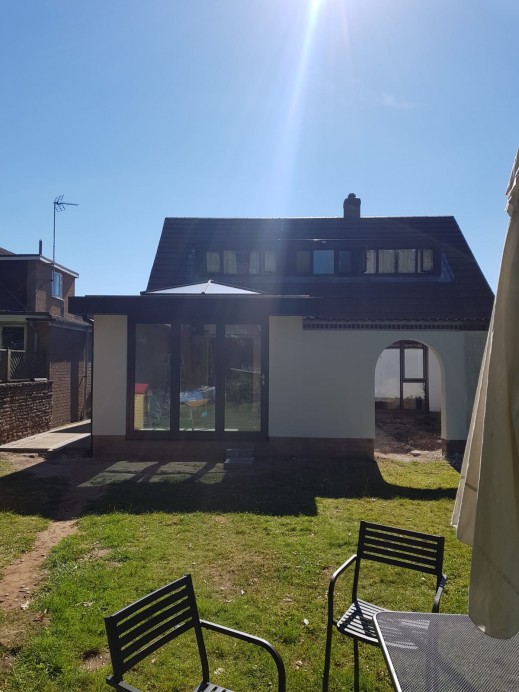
(457, 292)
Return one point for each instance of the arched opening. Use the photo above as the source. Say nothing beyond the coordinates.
(408, 399)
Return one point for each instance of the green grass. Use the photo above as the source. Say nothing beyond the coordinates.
(261, 546)
(20, 520)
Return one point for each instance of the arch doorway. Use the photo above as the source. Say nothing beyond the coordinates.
(408, 399)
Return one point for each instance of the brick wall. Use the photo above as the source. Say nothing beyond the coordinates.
(70, 372)
(25, 409)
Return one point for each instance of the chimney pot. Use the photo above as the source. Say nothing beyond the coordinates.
(351, 206)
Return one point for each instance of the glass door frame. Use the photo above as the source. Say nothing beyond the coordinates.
(174, 433)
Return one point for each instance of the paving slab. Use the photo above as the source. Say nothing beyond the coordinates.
(74, 435)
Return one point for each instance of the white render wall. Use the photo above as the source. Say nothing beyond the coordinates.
(109, 375)
(322, 381)
(435, 383)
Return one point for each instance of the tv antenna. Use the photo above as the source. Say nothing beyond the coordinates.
(59, 205)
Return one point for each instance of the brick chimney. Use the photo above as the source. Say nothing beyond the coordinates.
(351, 206)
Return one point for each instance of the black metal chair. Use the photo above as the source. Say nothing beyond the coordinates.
(142, 627)
(392, 546)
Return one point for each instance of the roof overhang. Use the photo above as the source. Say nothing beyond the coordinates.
(38, 258)
(19, 317)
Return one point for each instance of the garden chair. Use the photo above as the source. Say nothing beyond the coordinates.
(392, 546)
(142, 627)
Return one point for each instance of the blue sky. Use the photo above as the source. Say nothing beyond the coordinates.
(139, 110)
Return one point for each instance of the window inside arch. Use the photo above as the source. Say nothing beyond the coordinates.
(401, 377)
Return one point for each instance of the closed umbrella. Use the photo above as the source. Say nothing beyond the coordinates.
(486, 511)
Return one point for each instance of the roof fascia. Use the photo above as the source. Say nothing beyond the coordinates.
(200, 305)
(38, 258)
(9, 316)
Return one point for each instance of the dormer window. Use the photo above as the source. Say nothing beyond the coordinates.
(344, 262)
(399, 261)
(425, 261)
(270, 265)
(241, 261)
(212, 262)
(324, 262)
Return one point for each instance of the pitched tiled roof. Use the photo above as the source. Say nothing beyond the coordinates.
(458, 292)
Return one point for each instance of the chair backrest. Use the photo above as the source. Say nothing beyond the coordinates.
(142, 627)
(399, 547)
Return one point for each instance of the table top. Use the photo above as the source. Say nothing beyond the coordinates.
(437, 652)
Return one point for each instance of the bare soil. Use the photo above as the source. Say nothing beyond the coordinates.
(21, 578)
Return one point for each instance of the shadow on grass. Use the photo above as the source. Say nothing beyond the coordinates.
(273, 488)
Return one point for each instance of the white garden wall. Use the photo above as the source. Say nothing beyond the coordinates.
(322, 381)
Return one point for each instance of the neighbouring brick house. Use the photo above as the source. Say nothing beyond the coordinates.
(45, 351)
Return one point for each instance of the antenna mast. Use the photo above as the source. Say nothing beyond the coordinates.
(59, 205)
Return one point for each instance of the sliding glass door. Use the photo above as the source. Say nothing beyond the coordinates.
(203, 378)
(243, 377)
(197, 395)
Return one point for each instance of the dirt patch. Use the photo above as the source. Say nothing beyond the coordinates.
(424, 447)
(22, 577)
(408, 438)
(93, 660)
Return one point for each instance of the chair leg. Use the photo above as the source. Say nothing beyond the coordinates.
(356, 665)
(327, 655)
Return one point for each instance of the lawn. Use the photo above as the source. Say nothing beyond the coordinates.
(261, 545)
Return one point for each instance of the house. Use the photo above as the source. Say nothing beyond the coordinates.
(287, 336)
(45, 351)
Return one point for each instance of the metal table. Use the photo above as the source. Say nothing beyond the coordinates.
(436, 652)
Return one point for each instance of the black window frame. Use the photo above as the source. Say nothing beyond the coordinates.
(419, 261)
(221, 261)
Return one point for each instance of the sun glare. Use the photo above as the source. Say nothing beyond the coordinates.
(290, 130)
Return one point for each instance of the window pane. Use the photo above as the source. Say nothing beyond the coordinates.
(243, 377)
(229, 262)
(242, 262)
(152, 376)
(345, 262)
(414, 395)
(213, 262)
(406, 261)
(303, 261)
(57, 285)
(427, 260)
(413, 363)
(323, 261)
(254, 266)
(197, 390)
(269, 259)
(387, 379)
(371, 261)
(386, 261)
(13, 338)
